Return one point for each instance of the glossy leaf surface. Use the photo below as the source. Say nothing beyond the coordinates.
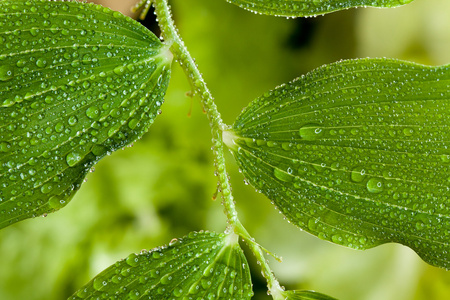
(301, 8)
(77, 81)
(201, 265)
(305, 295)
(357, 153)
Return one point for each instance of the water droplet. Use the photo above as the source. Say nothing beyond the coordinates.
(134, 294)
(194, 289)
(21, 63)
(73, 158)
(99, 283)
(83, 293)
(93, 112)
(5, 146)
(47, 188)
(358, 174)
(420, 225)
(55, 202)
(281, 175)
(133, 123)
(375, 185)
(41, 63)
(119, 70)
(445, 158)
(73, 120)
(166, 279)
(408, 131)
(311, 132)
(59, 127)
(133, 260)
(6, 73)
(178, 292)
(387, 174)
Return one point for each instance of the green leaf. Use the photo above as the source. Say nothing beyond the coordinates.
(357, 153)
(302, 8)
(77, 81)
(305, 295)
(201, 265)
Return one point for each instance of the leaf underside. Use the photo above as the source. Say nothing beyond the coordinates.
(302, 8)
(202, 265)
(357, 153)
(77, 81)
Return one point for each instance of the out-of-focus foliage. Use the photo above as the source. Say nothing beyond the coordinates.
(161, 188)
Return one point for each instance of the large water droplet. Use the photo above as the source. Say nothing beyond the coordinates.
(311, 132)
(132, 260)
(375, 185)
(99, 283)
(283, 176)
(93, 112)
(41, 63)
(73, 158)
(6, 73)
(47, 188)
(56, 203)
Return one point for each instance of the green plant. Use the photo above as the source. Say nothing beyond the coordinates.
(279, 153)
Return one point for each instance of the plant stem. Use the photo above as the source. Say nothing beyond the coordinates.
(181, 54)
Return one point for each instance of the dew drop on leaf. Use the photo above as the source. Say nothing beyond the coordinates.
(375, 185)
(93, 112)
(6, 72)
(310, 132)
(358, 174)
(73, 158)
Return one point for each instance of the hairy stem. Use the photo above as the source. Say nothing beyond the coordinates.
(171, 36)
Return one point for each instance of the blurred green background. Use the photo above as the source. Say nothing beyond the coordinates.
(143, 196)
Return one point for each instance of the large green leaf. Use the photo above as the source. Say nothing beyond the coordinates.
(201, 265)
(77, 81)
(357, 153)
(301, 8)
